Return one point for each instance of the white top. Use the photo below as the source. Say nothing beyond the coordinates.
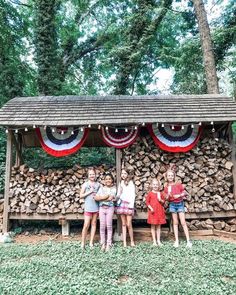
(127, 192)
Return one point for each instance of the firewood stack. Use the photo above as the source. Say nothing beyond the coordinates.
(206, 172)
(49, 191)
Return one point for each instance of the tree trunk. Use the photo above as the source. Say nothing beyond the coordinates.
(207, 47)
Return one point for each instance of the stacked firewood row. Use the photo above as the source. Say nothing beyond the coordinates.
(228, 225)
(205, 171)
(49, 191)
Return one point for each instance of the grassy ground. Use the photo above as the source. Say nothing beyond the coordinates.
(62, 268)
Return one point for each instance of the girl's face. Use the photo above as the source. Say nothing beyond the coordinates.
(124, 174)
(170, 176)
(91, 175)
(155, 185)
(108, 181)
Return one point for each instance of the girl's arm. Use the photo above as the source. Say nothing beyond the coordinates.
(100, 196)
(83, 194)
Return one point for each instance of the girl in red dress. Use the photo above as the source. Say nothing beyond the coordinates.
(156, 212)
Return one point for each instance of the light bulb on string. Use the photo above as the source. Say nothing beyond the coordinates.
(106, 127)
(26, 129)
(116, 130)
(34, 126)
(99, 126)
(172, 127)
(62, 132)
(192, 126)
(16, 131)
(53, 130)
(7, 131)
(162, 125)
(81, 129)
(212, 122)
(72, 132)
(143, 124)
(200, 123)
(89, 125)
(126, 129)
(135, 127)
(182, 127)
(213, 130)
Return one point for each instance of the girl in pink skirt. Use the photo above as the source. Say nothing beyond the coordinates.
(125, 206)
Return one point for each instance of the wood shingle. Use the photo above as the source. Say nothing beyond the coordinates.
(82, 110)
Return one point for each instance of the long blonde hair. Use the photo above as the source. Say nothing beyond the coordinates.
(128, 179)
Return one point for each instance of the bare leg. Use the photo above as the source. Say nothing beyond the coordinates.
(158, 227)
(184, 225)
(153, 232)
(175, 227)
(93, 229)
(87, 221)
(130, 229)
(123, 220)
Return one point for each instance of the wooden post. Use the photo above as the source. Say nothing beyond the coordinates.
(117, 235)
(232, 138)
(17, 144)
(7, 181)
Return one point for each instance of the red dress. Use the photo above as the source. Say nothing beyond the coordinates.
(158, 216)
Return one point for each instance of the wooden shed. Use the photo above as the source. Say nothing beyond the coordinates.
(205, 168)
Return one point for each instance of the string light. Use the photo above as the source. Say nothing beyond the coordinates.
(62, 132)
(162, 125)
(116, 130)
(26, 129)
(72, 132)
(200, 123)
(89, 125)
(126, 129)
(182, 127)
(34, 126)
(143, 124)
(213, 130)
(172, 127)
(106, 128)
(81, 129)
(53, 130)
(212, 122)
(192, 126)
(16, 131)
(135, 127)
(99, 126)
(7, 131)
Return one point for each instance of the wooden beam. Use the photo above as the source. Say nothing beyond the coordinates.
(19, 159)
(7, 181)
(233, 157)
(118, 173)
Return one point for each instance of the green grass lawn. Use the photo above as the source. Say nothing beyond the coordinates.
(62, 268)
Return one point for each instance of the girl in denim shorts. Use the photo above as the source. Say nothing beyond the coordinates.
(174, 193)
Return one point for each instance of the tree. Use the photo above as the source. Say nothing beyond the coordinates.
(207, 47)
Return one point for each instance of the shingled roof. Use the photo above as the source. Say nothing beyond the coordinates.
(82, 110)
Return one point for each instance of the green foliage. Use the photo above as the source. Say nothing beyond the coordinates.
(63, 268)
(37, 158)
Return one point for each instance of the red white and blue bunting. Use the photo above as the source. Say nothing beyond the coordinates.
(119, 137)
(61, 141)
(175, 138)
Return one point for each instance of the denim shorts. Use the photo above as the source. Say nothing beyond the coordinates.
(176, 207)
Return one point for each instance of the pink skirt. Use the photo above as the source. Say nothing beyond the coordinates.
(123, 209)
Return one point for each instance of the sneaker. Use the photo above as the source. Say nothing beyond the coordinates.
(176, 244)
(189, 244)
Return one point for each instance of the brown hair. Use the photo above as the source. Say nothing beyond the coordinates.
(129, 178)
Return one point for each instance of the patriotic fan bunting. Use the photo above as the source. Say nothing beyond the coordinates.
(61, 141)
(119, 137)
(174, 138)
